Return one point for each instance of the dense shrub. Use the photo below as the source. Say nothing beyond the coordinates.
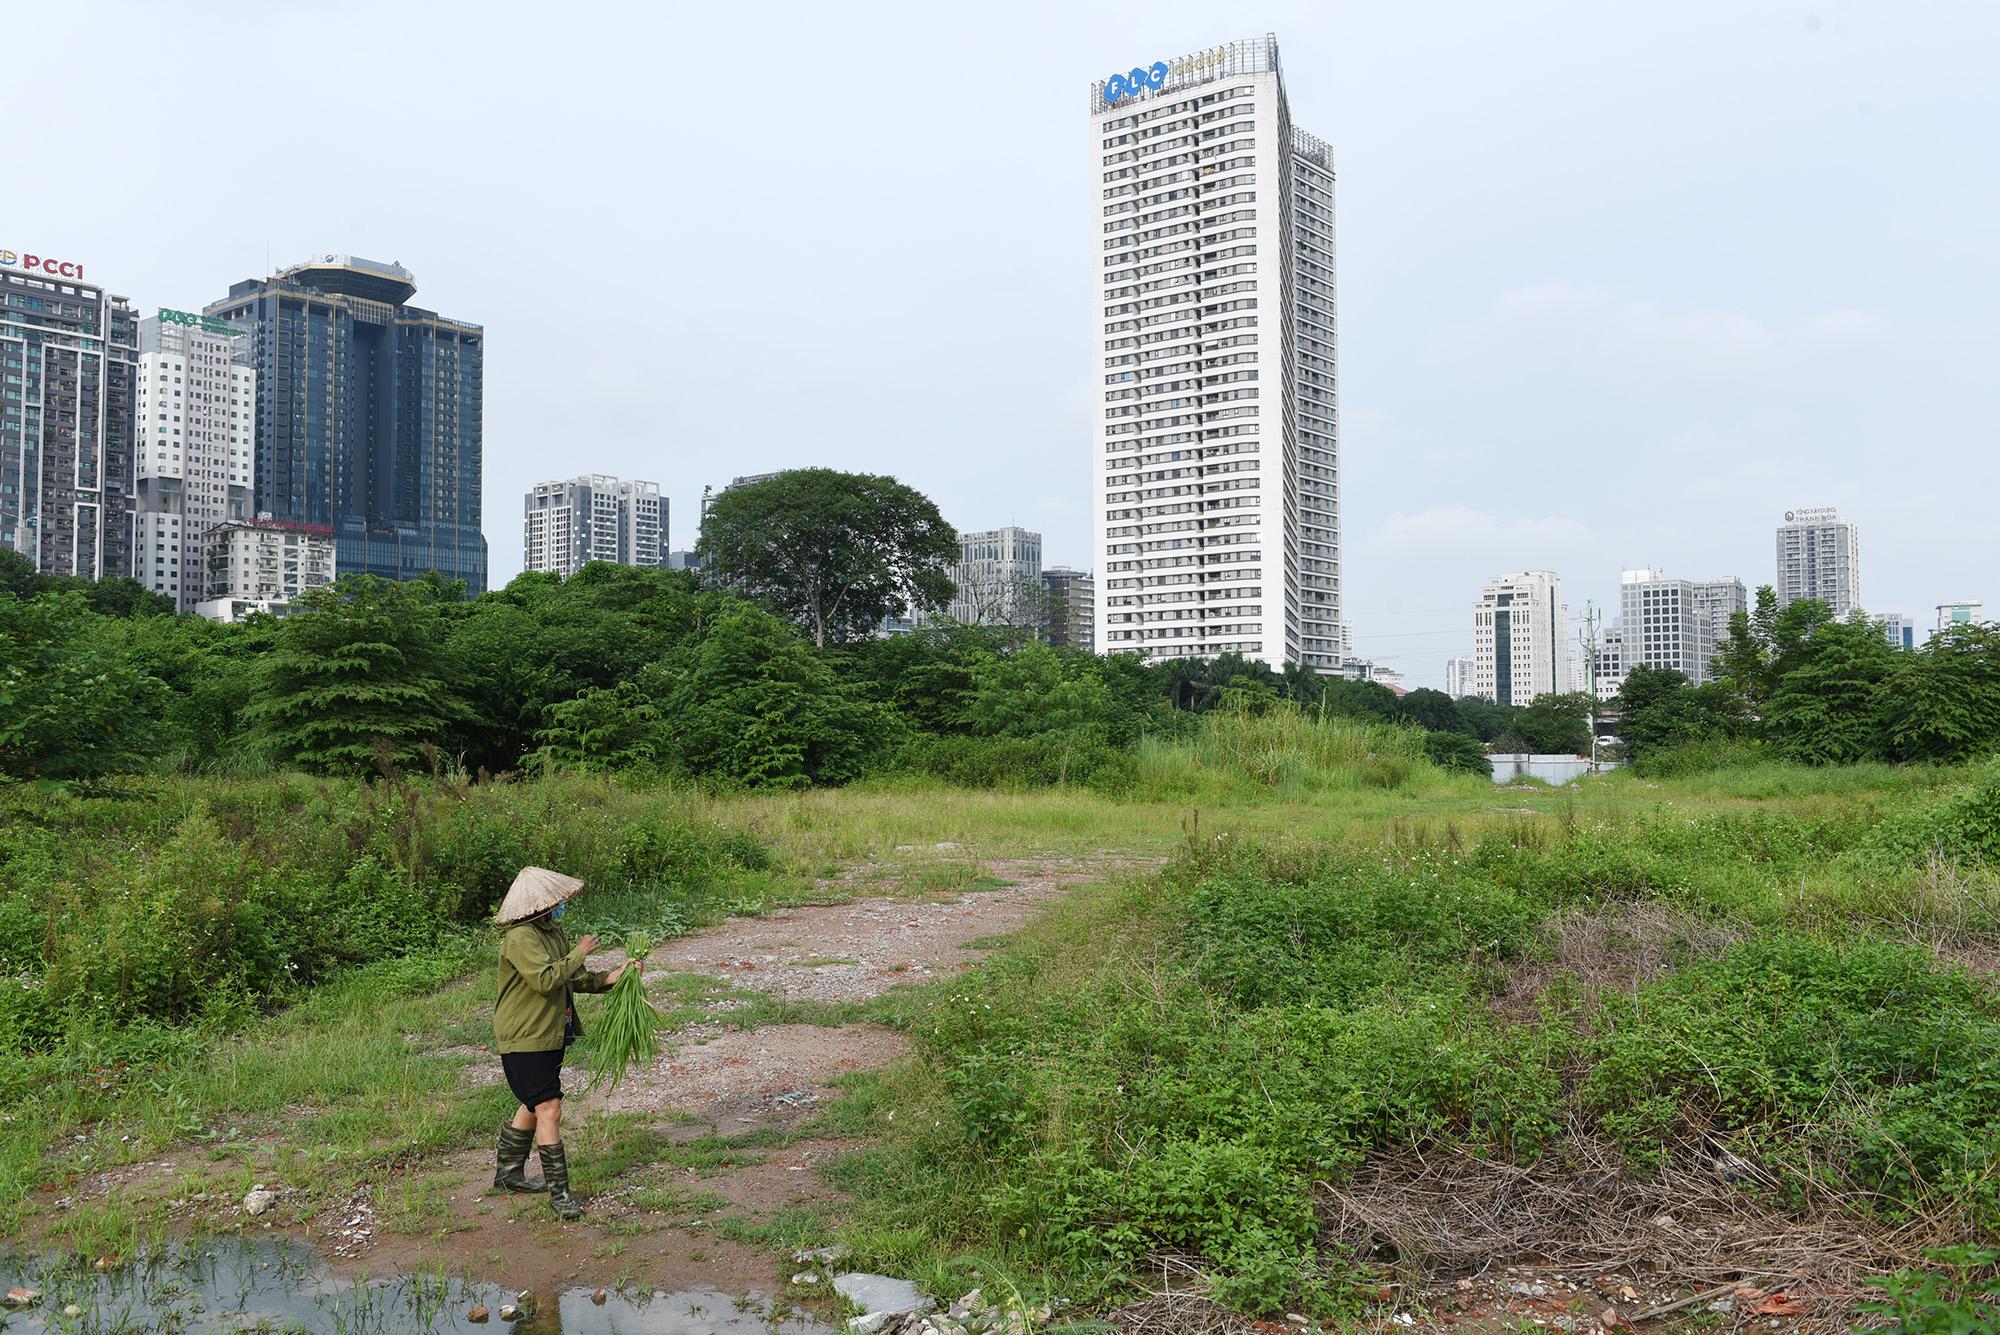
(1700, 757)
(1965, 825)
(1023, 762)
(1174, 1069)
(212, 897)
(1864, 1063)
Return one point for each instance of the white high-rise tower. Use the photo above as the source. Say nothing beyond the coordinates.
(1215, 462)
(196, 448)
(1520, 638)
(1819, 556)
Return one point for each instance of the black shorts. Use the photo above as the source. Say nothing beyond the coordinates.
(535, 1077)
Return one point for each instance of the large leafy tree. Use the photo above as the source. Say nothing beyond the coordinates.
(1823, 704)
(833, 552)
(70, 708)
(1942, 703)
(358, 673)
(1555, 724)
(1434, 711)
(754, 706)
(542, 641)
(1488, 721)
(1659, 708)
(1036, 691)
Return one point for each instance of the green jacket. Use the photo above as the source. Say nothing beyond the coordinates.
(538, 971)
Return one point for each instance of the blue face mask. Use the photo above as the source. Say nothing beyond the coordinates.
(555, 914)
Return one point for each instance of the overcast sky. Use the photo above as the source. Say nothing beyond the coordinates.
(1619, 284)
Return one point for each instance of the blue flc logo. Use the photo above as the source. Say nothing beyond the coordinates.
(1130, 85)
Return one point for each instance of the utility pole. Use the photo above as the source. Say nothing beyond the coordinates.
(1590, 674)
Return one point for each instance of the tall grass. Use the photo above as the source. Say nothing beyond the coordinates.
(1288, 754)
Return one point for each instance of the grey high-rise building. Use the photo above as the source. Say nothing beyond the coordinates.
(369, 416)
(1071, 596)
(1819, 556)
(998, 577)
(1678, 624)
(69, 369)
(566, 525)
(1716, 602)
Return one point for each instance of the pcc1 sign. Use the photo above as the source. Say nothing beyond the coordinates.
(40, 264)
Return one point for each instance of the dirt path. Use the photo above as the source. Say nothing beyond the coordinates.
(706, 1142)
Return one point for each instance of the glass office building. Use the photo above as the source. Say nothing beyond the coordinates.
(69, 364)
(368, 416)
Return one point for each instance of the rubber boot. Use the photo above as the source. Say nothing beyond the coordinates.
(510, 1172)
(555, 1172)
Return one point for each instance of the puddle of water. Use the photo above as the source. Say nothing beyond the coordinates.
(228, 1286)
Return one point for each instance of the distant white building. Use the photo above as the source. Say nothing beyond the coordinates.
(1819, 556)
(1900, 630)
(1458, 678)
(196, 446)
(999, 578)
(1520, 630)
(262, 565)
(1960, 614)
(566, 525)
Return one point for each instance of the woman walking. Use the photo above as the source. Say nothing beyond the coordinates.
(533, 1021)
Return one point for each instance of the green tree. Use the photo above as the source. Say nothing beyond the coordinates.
(1659, 708)
(1358, 699)
(1434, 711)
(542, 641)
(1942, 703)
(833, 552)
(69, 709)
(1823, 705)
(755, 706)
(209, 670)
(1556, 724)
(1487, 720)
(606, 727)
(1036, 692)
(357, 671)
(1457, 751)
(1200, 684)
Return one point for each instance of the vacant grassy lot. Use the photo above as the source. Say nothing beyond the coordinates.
(1349, 959)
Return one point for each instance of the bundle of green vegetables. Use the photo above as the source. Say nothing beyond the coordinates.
(627, 1023)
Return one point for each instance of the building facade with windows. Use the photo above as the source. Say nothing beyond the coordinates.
(369, 416)
(998, 578)
(1070, 598)
(1819, 556)
(1215, 461)
(1458, 677)
(1900, 630)
(262, 565)
(196, 447)
(1607, 665)
(1676, 624)
(568, 524)
(1520, 638)
(1959, 614)
(1716, 602)
(69, 368)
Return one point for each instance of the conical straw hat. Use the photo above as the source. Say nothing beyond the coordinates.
(535, 890)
